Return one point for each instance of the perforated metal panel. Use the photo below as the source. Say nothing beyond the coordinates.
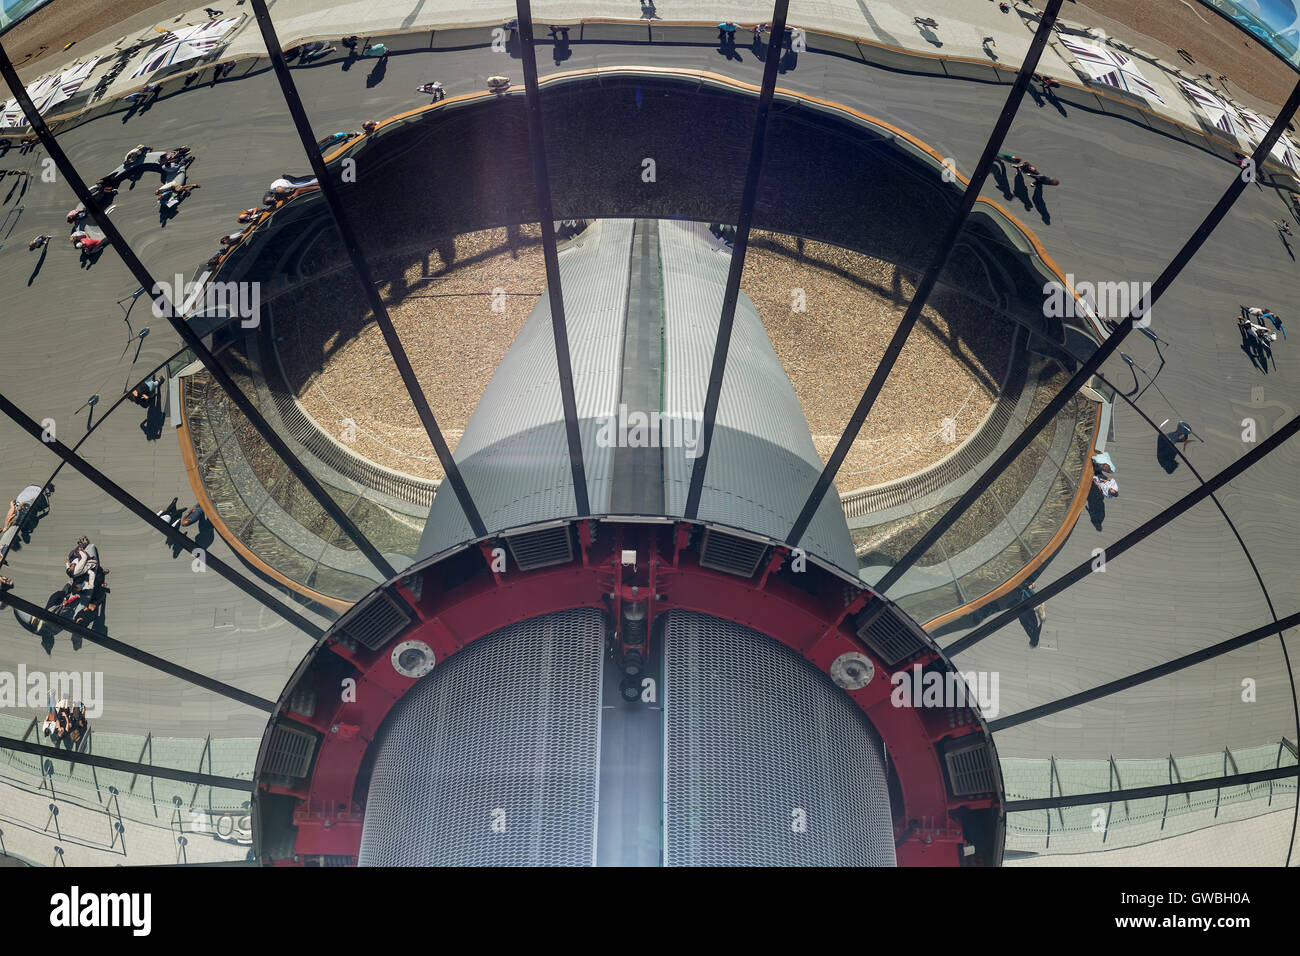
(766, 762)
(493, 759)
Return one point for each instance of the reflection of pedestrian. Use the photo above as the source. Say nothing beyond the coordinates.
(1040, 612)
(1183, 434)
(38, 242)
(1105, 482)
(925, 21)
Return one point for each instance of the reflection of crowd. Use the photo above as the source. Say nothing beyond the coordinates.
(84, 593)
(65, 723)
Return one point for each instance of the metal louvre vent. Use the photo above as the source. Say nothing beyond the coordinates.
(377, 620)
(290, 751)
(970, 767)
(493, 759)
(889, 636)
(539, 549)
(726, 552)
(766, 762)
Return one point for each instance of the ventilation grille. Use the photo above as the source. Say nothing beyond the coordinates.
(289, 752)
(766, 762)
(539, 549)
(970, 768)
(493, 759)
(888, 635)
(377, 620)
(726, 552)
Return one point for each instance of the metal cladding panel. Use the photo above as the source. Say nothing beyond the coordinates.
(493, 759)
(763, 463)
(514, 454)
(766, 761)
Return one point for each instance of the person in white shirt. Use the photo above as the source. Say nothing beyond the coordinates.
(1106, 484)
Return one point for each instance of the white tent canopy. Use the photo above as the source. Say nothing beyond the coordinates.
(49, 91)
(39, 90)
(1222, 115)
(1284, 151)
(70, 82)
(1105, 65)
(187, 43)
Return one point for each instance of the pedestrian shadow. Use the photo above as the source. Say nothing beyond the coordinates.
(1022, 191)
(376, 76)
(39, 262)
(1029, 621)
(1096, 506)
(1286, 245)
(1041, 205)
(203, 538)
(18, 180)
(88, 259)
(562, 49)
(1166, 454)
(1000, 178)
(789, 61)
(1255, 352)
(929, 36)
(152, 426)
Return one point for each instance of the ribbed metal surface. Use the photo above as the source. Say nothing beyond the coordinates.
(766, 761)
(763, 463)
(492, 760)
(514, 453)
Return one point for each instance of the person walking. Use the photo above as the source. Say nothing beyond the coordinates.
(38, 242)
(1263, 315)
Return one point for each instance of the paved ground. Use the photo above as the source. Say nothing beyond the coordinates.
(1128, 198)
